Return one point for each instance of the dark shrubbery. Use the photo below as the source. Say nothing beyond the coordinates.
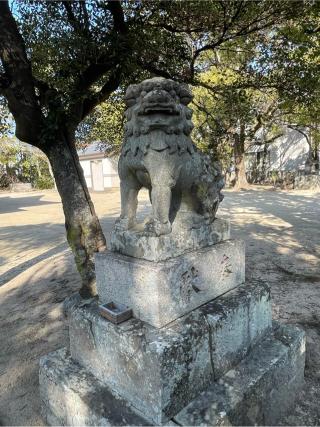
(43, 183)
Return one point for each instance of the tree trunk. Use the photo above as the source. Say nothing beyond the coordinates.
(316, 150)
(240, 168)
(84, 232)
(263, 178)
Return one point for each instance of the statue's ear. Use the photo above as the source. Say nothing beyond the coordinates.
(185, 95)
(129, 102)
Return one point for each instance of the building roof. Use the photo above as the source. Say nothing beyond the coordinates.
(92, 151)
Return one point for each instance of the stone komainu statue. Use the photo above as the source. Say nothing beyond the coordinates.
(158, 154)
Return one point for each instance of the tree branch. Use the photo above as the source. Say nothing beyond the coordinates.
(258, 24)
(18, 88)
(118, 16)
(109, 61)
(273, 138)
(73, 21)
(4, 83)
(298, 129)
(110, 86)
(152, 68)
(85, 14)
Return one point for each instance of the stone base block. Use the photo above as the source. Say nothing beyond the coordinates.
(182, 239)
(259, 391)
(161, 292)
(70, 396)
(159, 371)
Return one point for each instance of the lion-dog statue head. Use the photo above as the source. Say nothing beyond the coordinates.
(159, 107)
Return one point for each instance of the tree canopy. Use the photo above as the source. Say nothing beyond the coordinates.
(60, 60)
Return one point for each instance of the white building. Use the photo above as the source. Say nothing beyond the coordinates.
(286, 154)
(100, 172)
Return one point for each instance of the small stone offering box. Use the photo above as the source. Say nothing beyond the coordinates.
(115, 312)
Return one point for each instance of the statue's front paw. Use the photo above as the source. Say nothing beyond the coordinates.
(158, 228)
(123, 224)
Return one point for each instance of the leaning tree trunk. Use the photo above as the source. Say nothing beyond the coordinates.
(240, 168)
(83, 229)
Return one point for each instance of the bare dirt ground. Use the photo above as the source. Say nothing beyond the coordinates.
(282, 235)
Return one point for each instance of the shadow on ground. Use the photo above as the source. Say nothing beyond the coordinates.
(13, 204)
(31, 326)
(15, 271)
(282, 237)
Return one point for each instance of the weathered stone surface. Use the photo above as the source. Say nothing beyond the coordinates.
(237, 321)
(259, 391)
(158, 154)
(72, 396)
(182, 239)
(161, 292)
(160, 370)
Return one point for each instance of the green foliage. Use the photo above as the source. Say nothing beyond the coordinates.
(21, 162)
(236, 54)
(262, 81)
(105, 125)
(43, 182)
(76, 46)
(5, 119)
(66, 39)
(288, 57)
(224, 104)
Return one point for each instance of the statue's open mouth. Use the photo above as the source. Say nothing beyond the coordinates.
(157, 109)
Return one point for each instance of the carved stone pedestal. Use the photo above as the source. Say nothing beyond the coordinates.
(200, 349)
(258, 391)
(161, 292)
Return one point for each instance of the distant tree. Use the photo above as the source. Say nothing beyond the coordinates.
(288, 60)
(230, 112)
(5, 120)
(24, 163)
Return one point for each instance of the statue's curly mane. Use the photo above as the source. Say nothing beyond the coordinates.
(135, 92)
(175, 136)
